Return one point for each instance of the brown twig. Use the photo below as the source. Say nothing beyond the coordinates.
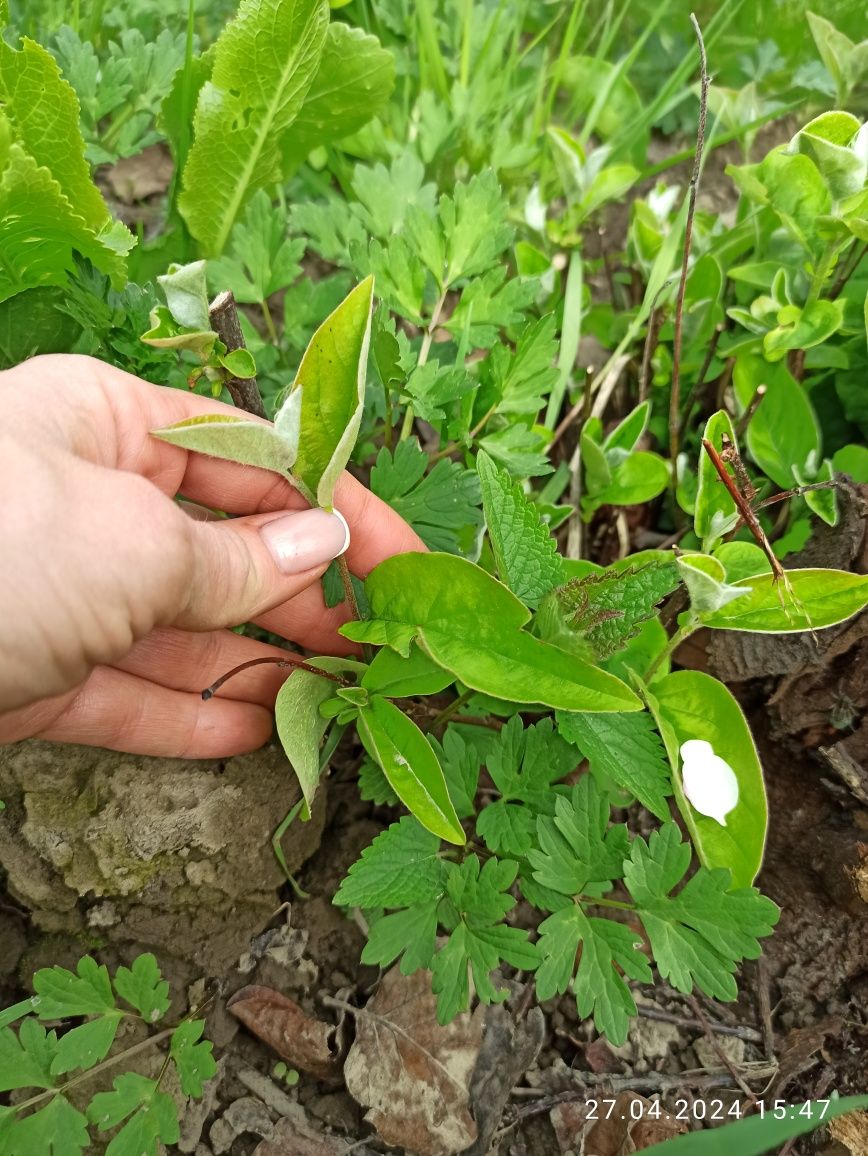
(699, 384)
(765, 1008)
(751, 1035)
(211, 690)
(675, 392)
(654, 323)
(745, 510)
(223, 313)
(847, 273)
(746, 418)
(719, 1051)
(795, 492)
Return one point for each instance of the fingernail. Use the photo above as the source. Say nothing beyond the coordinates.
(301, 541)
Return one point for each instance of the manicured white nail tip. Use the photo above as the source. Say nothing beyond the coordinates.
(709, 782)
(346, 526)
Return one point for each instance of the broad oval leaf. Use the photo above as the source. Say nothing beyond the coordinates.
(715, 511)
(783, 432)
(265, 61)
(409, 763)
(639, 478)
(691, 705)
(469, 623)
(395, 676)
(300, 726)
(234, 439)
(332, 380)
(808, 600)
(705, 579)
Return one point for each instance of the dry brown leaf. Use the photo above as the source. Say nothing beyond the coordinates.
(136, 178)
(279, 1022)
(610, 1133)
(851, 1131)
(413, 1073)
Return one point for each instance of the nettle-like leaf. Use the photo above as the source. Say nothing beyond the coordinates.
(607, 607)
(401, 868)
(410, 764)
(331, 380)
(300, 726)
(805, 600)
(626, 750)
(436, 599)
(525, 553)
(475, 904)
(699, 935)
(523, 764)
(438, 505)
(604, 950)
(265, 61)
(691, 705)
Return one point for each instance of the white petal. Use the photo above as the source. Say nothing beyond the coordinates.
(709, 782)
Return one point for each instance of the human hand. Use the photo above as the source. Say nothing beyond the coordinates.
(114, 603)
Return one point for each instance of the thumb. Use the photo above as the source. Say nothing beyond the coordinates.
(242, 567)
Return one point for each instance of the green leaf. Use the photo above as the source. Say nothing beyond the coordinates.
(806, 600)
(436, 598)
(153, 1116)
(331, 378)
(803, 328)
(691, 705)
(639, 478)
(265, 61)
(300, 726)
(262, 259)
(10, 1014)
(525, 553)
(577, 846)
(715, 511)
(607, 950)
(479, 941)
(524, 379)
(626, 749)
(783, 433)
(354, 80)
(374, 787)
(410, 765)
(704, 578)
(25, 1059)
(61, 993)
(234, 439)
(607, 607)
(401, 868)
(474, 226)
(701, 934)
(461, 763)
(625, 436)
(742, 560)
(410, 934)
(758, 1134)
(845, 61)
(55, 1130)
(438, 504)
(42, 230)
(143, 987)
(42, 111)
(85, 1045)
(393, 676)
(239, 362)
(520, 449)
(193, 1057)
(186, 294)
(852, 460)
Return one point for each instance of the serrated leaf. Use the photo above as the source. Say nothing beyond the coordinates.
(607, 607)
(61, 993)
(808, 600)
(153, 1116)
(607, 950)
(461, 763)
(143, 987)
(520, 449)
(700, 935)
(332, 378)
(436, 504)
(58, 1129)
(401, 868)
(353, 81)
(524, 551)
(692, 705)
(433, 389)
(85, 1045)
(410, 764)
(577, 846)
(265, 61)
(193, 1057)
(234, 439)
(25, 1059)
(524, 379)
(300, 726)
(437, 597)
(625, 748)
(410, 934)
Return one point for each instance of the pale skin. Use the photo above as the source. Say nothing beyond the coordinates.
(114, 603)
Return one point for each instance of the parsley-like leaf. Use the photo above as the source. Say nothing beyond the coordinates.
(153, 1115)
(524, 550)
(61, 993)
(85, 1045)
(436, 505)
(701, 934)
(400, 868)
(575, 847)
(143, 987)
(261, 260)
(461, 765)
(524, 378)
(599, 986)
(520, 449)
(625, 748)
(193, 1056)
(25, 1059)
(58, 1129)
(410, 933)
